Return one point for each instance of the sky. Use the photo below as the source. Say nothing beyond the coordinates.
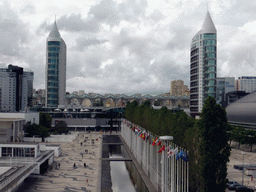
(126, 46)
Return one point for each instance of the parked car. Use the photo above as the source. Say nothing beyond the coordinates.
(231, 182)
(233, 186)
(244, 189)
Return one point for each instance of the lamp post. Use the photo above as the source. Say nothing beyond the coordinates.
(243, 169)
(164, 164)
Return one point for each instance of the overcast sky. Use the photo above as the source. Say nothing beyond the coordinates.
(126, 46)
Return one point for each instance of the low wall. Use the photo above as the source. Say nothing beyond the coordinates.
(53, 138)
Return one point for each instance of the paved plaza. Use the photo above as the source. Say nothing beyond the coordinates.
(63, 175)
(236, 158)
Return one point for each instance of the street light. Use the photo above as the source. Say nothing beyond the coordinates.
(243, 169)
(164, 165)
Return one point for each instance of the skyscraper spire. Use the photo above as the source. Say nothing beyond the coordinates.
(208, 25)
(54, 34)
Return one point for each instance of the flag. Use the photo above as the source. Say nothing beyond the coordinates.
(159, 142)
(179, 154)
(172, 152)
(162, 149)
(154, 141)
(184, 156)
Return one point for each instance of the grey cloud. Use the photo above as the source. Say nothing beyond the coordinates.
(13, 32)
(82, 43)
(156, 15)
(28, 9)
(107, 11)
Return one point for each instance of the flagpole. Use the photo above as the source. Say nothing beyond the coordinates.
(172, 172)
(187, 175)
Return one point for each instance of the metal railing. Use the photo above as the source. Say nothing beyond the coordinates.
(166, 173)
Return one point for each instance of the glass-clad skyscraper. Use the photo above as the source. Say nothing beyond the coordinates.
(55, 69)
(203, 65)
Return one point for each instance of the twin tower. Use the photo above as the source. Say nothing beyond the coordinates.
(203, 67)
(56, 55)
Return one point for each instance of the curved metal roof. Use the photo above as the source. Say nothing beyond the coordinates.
(243, 110)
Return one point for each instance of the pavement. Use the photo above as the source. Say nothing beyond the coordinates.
(237, 158)
(68, 173)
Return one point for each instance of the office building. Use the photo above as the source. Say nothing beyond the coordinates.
(55, 69)
(16, 89)
(224, 86)
(203, 65)
(246, 83)
(178, 88)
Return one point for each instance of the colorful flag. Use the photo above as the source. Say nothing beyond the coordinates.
(162, 149)
(172, 152)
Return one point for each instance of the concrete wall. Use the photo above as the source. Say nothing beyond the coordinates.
(32, 139)
(61, 138)
(33, 117)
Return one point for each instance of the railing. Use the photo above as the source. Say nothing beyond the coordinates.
(166, 173)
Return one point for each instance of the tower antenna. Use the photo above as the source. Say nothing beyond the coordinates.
(207, 5)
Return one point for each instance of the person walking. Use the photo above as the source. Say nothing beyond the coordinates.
(84, 165)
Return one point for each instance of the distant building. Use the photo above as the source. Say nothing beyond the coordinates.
(16, 89)
(55, 69)
(246, 83)
(224, 86)
(178, 88)
(203, 65)
(232, 97)
(81, 92)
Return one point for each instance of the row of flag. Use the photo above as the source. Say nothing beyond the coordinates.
(146, 136)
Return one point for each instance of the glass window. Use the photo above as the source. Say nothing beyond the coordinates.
(53, 54)
(6, 152)
(210, 62)
(54, 90)
(209, 42)
(53, 49)
(210, 36)
(210, 49)
(210, 55)
(54, 43)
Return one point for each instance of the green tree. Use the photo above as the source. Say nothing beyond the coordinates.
(36, 130)
(237, 134)
(249, 138)
(45, 120)
(214, 149)
(61, 127)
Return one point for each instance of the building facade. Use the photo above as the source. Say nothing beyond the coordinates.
(203, 65)
(246, 83)
(224, 86)
(178, 88)
(55, 69)
(16, 89)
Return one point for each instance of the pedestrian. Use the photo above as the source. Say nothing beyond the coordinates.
(74, 165)
(81, 143)
(84, 165)
(82, 155)
(59, 165)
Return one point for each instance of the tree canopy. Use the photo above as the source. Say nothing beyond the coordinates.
(205, 139)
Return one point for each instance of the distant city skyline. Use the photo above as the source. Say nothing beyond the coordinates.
(126, 46)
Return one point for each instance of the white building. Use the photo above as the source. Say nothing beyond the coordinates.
(55, 69)
(11, 125)
(246, 83)
(16, 89)
(203, 65)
